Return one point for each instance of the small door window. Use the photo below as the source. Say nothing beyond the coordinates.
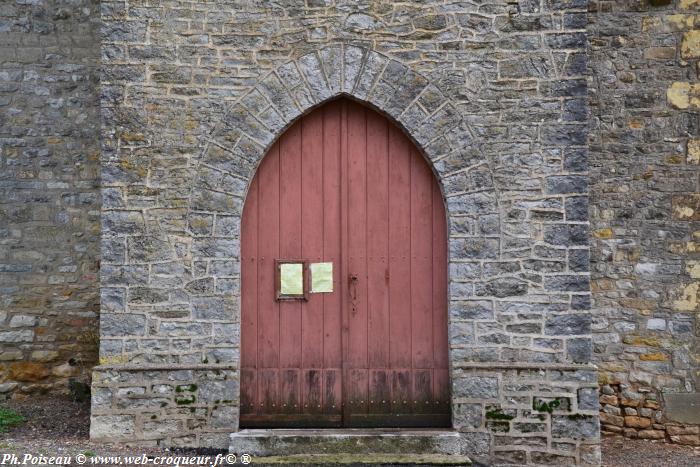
(291, 279)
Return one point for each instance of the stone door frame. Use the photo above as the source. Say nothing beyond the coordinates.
(211, 250)
(407, 98)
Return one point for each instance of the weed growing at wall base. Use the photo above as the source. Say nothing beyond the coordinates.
(9, 418)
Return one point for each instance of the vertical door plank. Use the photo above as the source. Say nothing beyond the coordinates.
(345, 265)
(269, 402)
(421, 262)
(399, 249)
(332, 303)
(289, 391)
(441, 391)
(312, 234)
(268, 250)
(380, 391)
(357, 240)
(423, 391)
(249, 300)
(358, 391)
(249, 387)
(401, 396)
(290, 241)
(332, 391)
(332, 222)
(312, 392)
(377, 241)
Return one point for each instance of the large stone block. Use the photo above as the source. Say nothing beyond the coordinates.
(690, 46)
(122, 324)
(684, 95)
(570, 324)
(581, 427)
(25, 335)
(683, 408)
(475, 387)
(212, 391)
(111, 427)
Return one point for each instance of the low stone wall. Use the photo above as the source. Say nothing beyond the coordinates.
(49, 195)
(545, 415)
(165, 406)
(637, 412)
(645, 213)
(516, 415)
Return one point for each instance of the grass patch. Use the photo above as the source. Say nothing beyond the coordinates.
(8, 418)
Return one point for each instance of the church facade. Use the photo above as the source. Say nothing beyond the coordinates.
(474, 216)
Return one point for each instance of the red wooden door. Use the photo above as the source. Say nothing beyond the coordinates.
(344, 185)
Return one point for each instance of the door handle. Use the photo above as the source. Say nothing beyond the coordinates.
(352, 286)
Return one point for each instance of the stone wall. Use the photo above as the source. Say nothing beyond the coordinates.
(49, 197)
(194, 92)
(174, 71)
(645, 215)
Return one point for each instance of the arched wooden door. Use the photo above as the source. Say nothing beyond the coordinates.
(344, 186)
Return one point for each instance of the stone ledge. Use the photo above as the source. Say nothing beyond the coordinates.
(524, 366)
(165, 366)
(348, 442)
(463, 365)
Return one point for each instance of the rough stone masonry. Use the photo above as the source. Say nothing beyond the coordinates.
(645, 215)
(494, 92)
(49, 195)
(193, 94)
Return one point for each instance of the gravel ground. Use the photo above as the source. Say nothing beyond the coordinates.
(623, 452)
(60, 427)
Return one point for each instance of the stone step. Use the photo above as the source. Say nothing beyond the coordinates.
(361, 460)
(352, 444)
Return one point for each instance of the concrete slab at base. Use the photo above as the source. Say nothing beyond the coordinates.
(286, 442)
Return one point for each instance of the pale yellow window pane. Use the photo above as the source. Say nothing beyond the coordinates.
(292, 279)
(321, 277)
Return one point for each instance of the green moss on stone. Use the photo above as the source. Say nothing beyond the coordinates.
(190, 388)
(185, 400)
(496, 413)
(542, 406)
(501, 427)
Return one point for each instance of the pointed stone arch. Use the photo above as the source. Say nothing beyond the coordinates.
(250, 126)
(236, 146)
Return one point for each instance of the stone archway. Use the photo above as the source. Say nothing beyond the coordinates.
(518, 300)
(238, 144)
